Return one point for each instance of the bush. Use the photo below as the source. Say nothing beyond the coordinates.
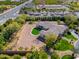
(54, 56)
(50, 39)
(43, 55)
(33, 55)
(1, 28)
(16, 57)
(21, 19)
(2, 39)
(67, 57)
(4, 57)
(9, 30)
(63, 45)
(37, 55)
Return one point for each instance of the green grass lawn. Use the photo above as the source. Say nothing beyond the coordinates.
(74, 6)
(35, 31)
(67, 57)
(47, 1)
(63, 45)
(70, 36)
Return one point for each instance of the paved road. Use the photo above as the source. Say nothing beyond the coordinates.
(42, 14)
(12, 13)
(76, 44)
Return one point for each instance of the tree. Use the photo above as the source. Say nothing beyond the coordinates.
(16, 57)
(43, 55)
(37, 55)
(1, 27)
(4, 57)
(10, 29)
(63, 45)
(21, 19)
(33, 55)
(2, 39)
(70, 19)
(49, 39)
(67, 57)
(54, 56)
(8, 22)
(1, 47)
(72, 26)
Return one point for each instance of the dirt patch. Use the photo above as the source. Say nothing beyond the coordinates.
(26, 40)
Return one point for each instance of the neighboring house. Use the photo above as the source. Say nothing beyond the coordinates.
(51, 27)
(77, 58)
(70, 0)
(52, 6)
(76, 55)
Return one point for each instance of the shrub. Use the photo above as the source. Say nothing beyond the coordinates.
(16, 57)
(9, 30)
(4, 57)
(67, 57)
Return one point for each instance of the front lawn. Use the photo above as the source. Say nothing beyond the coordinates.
(63, 45)
(35, 31)
(67, 57)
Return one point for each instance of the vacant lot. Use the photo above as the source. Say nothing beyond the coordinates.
(26, 40)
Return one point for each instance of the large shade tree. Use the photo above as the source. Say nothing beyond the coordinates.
(43, 55)
(50, 39)
(9, 30)
(71, 20)
(33, 55)
(54, 56)
(21, 19)
(5, 57)
(16, 57)
(37, 55)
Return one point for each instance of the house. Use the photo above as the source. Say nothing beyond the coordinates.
(52, 7)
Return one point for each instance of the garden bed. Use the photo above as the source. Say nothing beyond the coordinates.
(35, 31)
